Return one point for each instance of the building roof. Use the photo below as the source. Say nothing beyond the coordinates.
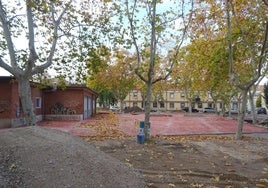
(49, 88)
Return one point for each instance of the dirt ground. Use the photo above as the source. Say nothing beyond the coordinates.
(199, 162)
(109, 157)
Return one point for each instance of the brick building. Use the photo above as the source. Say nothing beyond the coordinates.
(75, 102)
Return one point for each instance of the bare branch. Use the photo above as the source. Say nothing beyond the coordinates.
(13, 70)
(56, 23)
(264, 49)
(33, 55)
(7, 35)
(178, 47)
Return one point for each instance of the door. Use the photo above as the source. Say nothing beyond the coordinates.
(87, 107)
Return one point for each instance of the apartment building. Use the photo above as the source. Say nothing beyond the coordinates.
(172, 100)
(175, 100)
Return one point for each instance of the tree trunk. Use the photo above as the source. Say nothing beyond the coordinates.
(190, 105)
(153, 42)
(252, 105)
(147, 123)
(223, 109)
(121, 105)
(241, 116)
(26, 101)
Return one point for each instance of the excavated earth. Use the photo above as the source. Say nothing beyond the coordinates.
(42, 157)
(209, 162)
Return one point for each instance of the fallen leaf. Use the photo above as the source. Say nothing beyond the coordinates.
(260, 185)
(171, 185)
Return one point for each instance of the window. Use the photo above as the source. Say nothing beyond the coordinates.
(154, 104)
(135, 104)
(171, 95)
(38, 102)
(209, 95)
(135, 94)
(235, 105)
(200, 105)
(162, 104)
(182, 105)
(182, 94)
(171, 105)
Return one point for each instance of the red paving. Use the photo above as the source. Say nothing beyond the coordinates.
(181, 124)
(174, 124)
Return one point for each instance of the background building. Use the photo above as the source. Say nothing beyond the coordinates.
(175, 100)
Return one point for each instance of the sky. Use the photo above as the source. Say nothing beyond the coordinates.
(167, 2)
(3, 72)
(20, 43)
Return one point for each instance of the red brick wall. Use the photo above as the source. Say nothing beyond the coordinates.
(9, 99)
(6, 105)
(69, 98)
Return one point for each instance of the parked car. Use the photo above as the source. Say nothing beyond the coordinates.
(261, 110)
(186, 109)
(114, 108)
(209, 110)
(153, 110)
(232, 111)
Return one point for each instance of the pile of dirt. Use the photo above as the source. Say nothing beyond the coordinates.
(133, 109)
(42, 157)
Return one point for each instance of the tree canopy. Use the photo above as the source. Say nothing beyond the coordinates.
(38, 34)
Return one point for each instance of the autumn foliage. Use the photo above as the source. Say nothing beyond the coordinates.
(105, 126)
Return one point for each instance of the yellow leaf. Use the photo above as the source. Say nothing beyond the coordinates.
(260, 185)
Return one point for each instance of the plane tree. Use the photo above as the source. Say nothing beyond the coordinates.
(120, 76)
(265, 94)
(251, 93)
(155, 26)
(247, 38)
(243, 25)
(96, 65)
(116, 76)
(187, 76)
(208, 52)
(159, 93)
(202, 70)
(36, 34)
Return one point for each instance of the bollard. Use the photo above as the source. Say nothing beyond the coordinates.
(140, 136)
(141, 127)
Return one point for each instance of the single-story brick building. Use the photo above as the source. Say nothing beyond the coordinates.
(75, 102)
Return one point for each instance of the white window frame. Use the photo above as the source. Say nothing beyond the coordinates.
(135, 94)
(171, 95)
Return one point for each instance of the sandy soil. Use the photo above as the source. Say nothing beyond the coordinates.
(41, 157)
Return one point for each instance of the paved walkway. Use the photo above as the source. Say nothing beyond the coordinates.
(166, 124)
(184, 124)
